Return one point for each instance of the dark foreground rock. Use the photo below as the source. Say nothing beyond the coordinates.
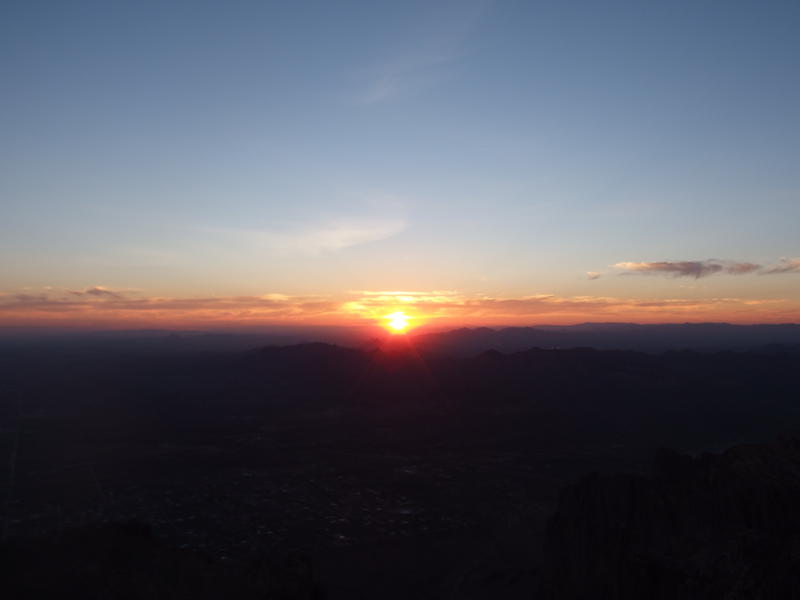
(713, 527)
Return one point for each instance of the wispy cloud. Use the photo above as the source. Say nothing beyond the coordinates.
(592, 275)
(319, 238)
(787, 265)
(400, 77)
(426, 54)
(688, 268)
(332, 236)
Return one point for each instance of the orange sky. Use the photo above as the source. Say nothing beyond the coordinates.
(102, 308)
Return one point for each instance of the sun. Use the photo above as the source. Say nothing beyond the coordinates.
(397, 322)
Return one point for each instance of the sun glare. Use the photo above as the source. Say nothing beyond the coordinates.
(397, 322)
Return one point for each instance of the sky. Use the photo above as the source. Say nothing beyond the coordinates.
(214, 164)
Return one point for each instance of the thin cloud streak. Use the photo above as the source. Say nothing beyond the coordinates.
(331, 237)
(97, 291)
(319, 238)
(788, 265)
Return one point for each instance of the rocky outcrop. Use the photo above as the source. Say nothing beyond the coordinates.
(713, 527)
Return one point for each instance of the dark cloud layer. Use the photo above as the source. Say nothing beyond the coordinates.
(688, 268)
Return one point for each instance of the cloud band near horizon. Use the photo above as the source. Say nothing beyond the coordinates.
(104, 308)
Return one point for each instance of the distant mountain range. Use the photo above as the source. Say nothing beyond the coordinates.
(464, 342)
(612, 336)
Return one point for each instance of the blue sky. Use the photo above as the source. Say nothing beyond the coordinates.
(489, 149)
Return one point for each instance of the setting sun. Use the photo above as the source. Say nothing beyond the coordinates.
(397, 322)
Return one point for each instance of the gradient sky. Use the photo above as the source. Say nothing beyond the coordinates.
(202, 163)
